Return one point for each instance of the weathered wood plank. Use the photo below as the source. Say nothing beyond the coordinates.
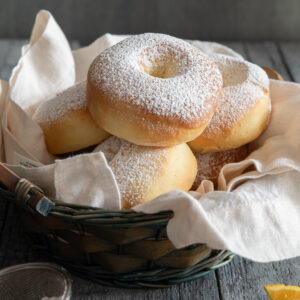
(12, 56)
(15, 248)
(291, 56)
(239, 47)
(203, 288)
(4, 49)
(243, 279)
(267, 54)
(14, 51)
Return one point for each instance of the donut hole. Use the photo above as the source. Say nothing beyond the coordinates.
(160, 68)
(234, 72)
(163, 61)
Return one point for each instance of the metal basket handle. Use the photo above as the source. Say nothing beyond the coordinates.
(27, 194)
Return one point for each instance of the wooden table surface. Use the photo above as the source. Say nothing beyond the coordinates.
(241, 279)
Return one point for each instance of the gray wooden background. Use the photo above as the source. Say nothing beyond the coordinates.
(85, 20)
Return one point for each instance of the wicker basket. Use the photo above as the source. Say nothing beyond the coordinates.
(121, 248)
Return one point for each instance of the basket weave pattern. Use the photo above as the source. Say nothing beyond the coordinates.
(122, 248)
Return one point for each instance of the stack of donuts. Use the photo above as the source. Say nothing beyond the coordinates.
(167, 114)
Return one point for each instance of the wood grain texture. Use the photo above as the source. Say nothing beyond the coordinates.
(202, 19)
(239, 47)
(243, 279)
(203, 288)
(9, 55)
(291, 56)
(268, 54)
(15, 248)
(4, 50)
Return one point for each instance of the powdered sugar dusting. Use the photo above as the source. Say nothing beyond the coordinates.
(72, 99)
(234, 104)
(110, 147)
(258, 76)
(159, 73)
(244, 84)
(210, 164)
(136, 169)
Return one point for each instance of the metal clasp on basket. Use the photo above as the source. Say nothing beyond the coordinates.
(23, 195)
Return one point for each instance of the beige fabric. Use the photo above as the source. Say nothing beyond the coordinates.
(45, 68)
(256, 214)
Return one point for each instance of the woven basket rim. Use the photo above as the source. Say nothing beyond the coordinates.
(100, 216)
(128, 227)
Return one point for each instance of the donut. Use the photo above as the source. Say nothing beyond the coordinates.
(210, 164)
(143, 173)
(243, 109)
(153, 90)
(66, 122)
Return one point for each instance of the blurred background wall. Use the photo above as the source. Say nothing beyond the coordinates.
(196, 19)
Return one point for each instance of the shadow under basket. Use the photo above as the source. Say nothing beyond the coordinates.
(116, 248)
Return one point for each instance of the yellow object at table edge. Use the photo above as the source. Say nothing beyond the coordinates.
(280, 291)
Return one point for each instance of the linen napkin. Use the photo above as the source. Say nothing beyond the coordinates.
(255, 214)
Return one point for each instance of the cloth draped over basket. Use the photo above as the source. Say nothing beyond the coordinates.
(256, 211)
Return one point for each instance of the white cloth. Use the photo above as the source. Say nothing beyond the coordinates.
(46, 67)
(255, 214)
(83, 179)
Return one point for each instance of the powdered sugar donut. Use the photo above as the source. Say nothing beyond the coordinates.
(143, 173)
(210, 164)
(66, 122)
(153, 90)
(243, 109)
